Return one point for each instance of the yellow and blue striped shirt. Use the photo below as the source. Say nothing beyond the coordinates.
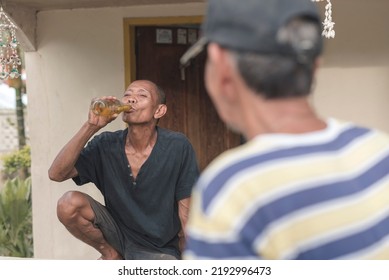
(318, 195)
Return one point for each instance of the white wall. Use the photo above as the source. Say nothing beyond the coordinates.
(80, 55)
(353, 83)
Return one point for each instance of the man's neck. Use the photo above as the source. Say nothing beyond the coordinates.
(292, 116)
(140, 138)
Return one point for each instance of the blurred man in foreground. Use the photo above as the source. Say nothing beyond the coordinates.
(302, 187)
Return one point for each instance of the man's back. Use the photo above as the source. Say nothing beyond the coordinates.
(319, 195)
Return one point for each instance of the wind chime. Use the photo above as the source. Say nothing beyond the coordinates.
(9, 57)
(328, 24)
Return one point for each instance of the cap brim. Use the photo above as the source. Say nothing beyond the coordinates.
(193, 51)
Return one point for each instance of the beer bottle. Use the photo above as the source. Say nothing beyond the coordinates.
(106, 108)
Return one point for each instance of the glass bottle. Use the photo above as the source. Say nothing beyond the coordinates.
(106, 108)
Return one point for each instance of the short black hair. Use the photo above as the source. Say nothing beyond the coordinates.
(161, 94)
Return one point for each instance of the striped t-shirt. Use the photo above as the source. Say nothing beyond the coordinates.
(318, 195)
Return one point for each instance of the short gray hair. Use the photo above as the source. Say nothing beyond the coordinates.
(279, 76)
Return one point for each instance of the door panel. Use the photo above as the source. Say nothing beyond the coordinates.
(190, 110)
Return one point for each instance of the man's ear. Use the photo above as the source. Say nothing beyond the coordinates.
(161, 111)
(225, 72)
(216, 54)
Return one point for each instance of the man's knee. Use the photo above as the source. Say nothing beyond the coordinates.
(70, 205)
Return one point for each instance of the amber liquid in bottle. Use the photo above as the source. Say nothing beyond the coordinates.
(107, 108)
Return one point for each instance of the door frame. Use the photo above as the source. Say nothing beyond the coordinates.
(129, 25)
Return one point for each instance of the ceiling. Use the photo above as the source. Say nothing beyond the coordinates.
(74, 4)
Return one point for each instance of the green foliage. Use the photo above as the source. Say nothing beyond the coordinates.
(16, 161)
(16, 238)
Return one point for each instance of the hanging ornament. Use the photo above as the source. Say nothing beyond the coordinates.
(328, 24)
(9, 58)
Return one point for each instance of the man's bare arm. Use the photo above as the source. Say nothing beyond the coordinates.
(62, 167)
(183, 213)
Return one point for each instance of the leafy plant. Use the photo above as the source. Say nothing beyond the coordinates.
(18, 161)
(16, 238)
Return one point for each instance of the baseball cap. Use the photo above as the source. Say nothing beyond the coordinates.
(254, 26)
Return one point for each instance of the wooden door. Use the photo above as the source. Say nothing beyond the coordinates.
(190, 111)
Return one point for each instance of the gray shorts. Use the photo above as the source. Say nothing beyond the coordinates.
(114, 236)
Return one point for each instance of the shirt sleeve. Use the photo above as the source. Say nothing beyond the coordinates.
(87, 164)
(214, 228)
(212, 235)
(189, 172)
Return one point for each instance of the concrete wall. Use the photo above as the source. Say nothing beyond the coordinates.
(353, 83)
(80, 55)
